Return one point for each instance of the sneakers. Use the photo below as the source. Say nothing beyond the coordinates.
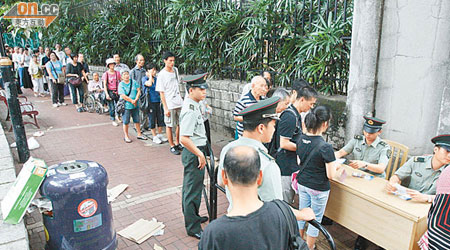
(62, 104)
(156, 140)
(55, 105)
(179, 147)
(174, 150)
(115, 124)
(162, 137)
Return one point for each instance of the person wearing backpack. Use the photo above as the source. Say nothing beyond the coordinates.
(111, 79)
(318, 165)
(289, 127)
(130, 90)
(271, 225)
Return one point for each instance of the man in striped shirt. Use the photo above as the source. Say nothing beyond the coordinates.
(259, 89)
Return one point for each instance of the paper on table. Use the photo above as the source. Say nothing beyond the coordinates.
(401, 192)
(340, 160)
(343, 176)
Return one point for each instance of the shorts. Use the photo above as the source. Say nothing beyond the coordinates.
(134, 113)
(173, 120)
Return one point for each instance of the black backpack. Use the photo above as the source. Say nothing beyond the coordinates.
(295, 240)
(273, 147)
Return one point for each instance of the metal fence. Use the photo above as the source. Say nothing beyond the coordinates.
(302, 15)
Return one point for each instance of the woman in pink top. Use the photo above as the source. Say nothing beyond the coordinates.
(111, 79)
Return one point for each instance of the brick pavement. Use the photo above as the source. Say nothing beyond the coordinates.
(153, 174)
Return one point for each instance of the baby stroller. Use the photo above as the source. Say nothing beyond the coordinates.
(94, 102)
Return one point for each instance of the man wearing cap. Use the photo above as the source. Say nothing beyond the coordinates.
(193, 138)
(259, 125)
(422, 172)
(370, 153)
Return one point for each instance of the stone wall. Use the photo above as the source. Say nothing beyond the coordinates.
(399, 68)
(222, 96)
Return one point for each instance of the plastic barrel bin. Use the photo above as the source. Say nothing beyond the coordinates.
(81, 217)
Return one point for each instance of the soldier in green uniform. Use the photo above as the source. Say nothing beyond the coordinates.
(422, 172)
(370, 153)
(193, 138)
(259, 125)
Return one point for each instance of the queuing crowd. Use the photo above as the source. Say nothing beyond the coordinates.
(279, 151)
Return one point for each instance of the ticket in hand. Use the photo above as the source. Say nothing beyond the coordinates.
(401, 192)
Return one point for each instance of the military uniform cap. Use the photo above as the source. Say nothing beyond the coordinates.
(372, 124)
(442, 141)
(196, 81)
(262, 109)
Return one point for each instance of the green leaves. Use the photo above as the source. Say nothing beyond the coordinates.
(295, 38)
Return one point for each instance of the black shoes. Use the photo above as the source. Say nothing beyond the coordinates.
(360, 243)
(204, 219)
(197, 235)
(174, 150)
(179, 147)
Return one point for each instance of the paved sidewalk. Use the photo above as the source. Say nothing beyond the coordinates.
(153, 174)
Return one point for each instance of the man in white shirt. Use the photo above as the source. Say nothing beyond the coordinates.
(167, 86)
(59, 52)
(66, 59)
(121, 67)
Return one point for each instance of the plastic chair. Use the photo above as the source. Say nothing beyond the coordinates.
(398, 156)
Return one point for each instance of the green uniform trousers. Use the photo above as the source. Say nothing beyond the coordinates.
(192, 190)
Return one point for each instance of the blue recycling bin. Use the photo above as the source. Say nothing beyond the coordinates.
(81, 217)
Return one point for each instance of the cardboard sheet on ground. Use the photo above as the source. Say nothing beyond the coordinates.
(141, 230)
(114, 192)
(25, 187)
(156, 247)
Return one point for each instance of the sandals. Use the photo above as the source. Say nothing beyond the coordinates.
(127, 140)
(143, 138)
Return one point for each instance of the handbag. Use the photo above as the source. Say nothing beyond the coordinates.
(75, 81)
(120, 106)
(144, 103)
(113, 95)
(61, 77)
(295, 240)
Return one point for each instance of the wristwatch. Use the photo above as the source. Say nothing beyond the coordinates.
(365, 166)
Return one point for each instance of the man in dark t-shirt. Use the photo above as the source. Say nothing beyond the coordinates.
(289, 126)
(251, 223)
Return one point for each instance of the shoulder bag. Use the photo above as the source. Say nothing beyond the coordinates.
(75, 81)
(113, 95)
(61, 79)
(295, 240)
(144, 105)
(120, 106)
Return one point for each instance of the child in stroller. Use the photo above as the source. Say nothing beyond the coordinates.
(95, 100)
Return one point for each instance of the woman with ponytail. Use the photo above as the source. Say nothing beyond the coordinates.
(318, 165)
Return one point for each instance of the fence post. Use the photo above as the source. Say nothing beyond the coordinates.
(14, 109)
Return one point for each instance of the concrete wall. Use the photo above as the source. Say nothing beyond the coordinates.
(411, 72)
(367, 17)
